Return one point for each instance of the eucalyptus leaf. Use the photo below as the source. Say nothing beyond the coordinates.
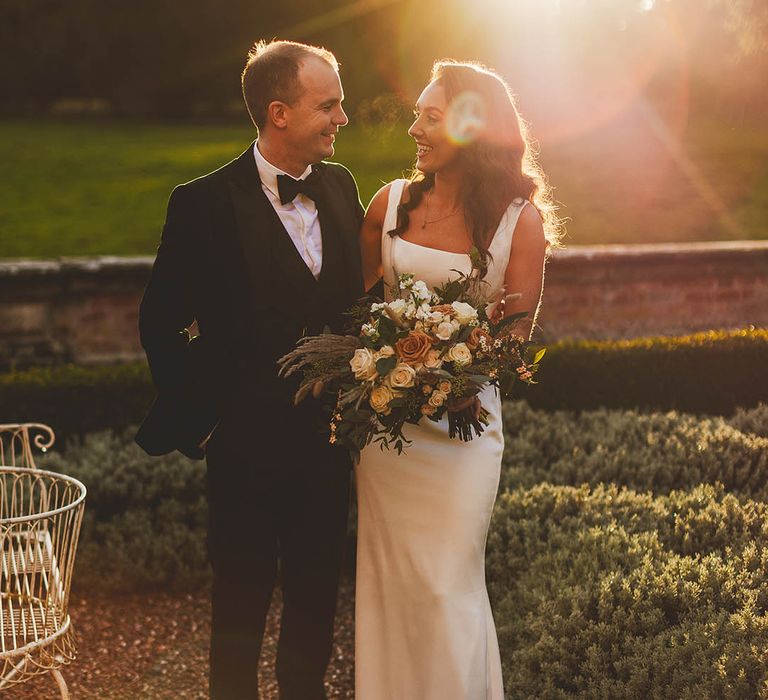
(385, 365)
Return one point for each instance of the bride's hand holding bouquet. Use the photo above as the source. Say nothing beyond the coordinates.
(423, 355)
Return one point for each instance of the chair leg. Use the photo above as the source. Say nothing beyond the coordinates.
(61, 683)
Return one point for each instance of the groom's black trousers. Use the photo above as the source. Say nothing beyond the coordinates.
(278, 498)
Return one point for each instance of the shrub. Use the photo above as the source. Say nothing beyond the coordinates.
(145, 517)
(645, 451)
(608, 593)
(753, 420)
(76, 400)
(712, 373)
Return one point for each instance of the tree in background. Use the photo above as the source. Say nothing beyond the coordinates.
(177, 58)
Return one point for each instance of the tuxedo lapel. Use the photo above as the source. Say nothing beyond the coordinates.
(340, 229)
(270, 255)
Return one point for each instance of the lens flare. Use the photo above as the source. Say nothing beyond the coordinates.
(465, 119)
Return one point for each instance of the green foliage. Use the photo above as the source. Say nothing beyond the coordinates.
(76, 400)
(608, 593)
(713, 372)
(645, 451)
(145, 517)
(752, 420)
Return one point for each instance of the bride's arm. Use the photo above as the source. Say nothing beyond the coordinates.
(370, 237)
(525, 270)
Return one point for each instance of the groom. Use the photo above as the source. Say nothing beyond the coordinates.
(259, 253)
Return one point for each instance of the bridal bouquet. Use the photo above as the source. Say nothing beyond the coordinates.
(421, 356)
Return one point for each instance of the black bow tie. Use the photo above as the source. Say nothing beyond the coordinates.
(289, 187)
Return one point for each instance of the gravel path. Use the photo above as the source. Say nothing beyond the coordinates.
(155, 647)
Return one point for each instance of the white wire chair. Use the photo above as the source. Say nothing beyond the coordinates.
(40, 517)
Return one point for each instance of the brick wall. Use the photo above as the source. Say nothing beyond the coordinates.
(85, 310)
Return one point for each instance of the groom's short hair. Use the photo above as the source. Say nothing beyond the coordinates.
(271, 74)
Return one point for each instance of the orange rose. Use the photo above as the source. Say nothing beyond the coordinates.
(414, 347)
(473, 341)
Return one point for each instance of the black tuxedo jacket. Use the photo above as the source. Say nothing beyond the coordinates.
(226, 261)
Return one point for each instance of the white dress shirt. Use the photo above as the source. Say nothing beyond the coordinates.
(299, 216)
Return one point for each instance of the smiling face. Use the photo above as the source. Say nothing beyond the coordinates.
(435, 150)
(312, 122)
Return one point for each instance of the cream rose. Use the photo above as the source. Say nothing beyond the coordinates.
(460, 354)
(445, 330)
(380, 398)
(444, 385)
(428, 410)
(437, 399)
(363, 364)
(464, 312)
(435, 318)
(402, 376)
(386, 351)
(433, 360)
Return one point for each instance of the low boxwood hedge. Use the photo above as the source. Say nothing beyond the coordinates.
(710, 373)
(76, 400)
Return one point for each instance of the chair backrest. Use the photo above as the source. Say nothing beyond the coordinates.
(18, 439)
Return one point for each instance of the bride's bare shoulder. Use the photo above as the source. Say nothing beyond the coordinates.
(377, 209)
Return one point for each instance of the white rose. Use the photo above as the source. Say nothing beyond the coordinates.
(464, 312)
(436, 318)
(460, 354)
(402, 376)
(432, 360)
(380, 398)
(445, 330)
(397, 307)
(363, 364)
(437, 399)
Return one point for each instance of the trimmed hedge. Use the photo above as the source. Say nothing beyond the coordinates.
(710, 373)
(608, 593)
(76, 400)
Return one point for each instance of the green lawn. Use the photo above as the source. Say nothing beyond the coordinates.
(100, 188)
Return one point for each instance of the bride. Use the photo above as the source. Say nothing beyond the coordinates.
(423, 623)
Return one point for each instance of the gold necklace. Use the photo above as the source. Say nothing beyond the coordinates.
(441, 218)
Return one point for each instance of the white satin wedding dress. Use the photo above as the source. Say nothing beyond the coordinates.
(423, 623)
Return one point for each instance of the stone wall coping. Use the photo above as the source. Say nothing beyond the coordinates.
(91, 265)
(133, 264)
(657, 250)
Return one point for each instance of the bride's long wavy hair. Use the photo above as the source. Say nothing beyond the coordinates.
(499, 164)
